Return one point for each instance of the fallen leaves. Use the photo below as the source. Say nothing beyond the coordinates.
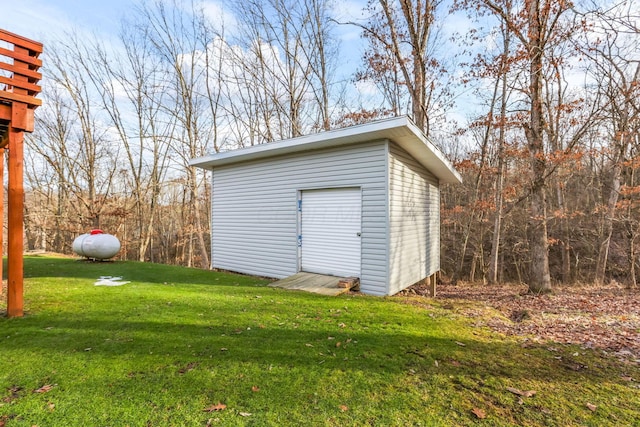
(526, 393)
(14, 393)
(219, 407)
(44, 388)
(188, 368)
(592, 407)
(344, 408)
(255, 389)
(215, 408)
(605, 317)
(481, 414)
(574, 366)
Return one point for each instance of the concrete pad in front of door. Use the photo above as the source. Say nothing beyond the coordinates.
(311, 282)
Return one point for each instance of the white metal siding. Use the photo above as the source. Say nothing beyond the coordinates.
(254, 214)
(330, 231)
(414, 221)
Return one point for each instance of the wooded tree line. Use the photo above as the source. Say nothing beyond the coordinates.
(548, 143)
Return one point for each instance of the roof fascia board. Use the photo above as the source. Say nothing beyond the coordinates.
(400, 130)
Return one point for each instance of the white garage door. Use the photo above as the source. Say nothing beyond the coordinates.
(330, 230)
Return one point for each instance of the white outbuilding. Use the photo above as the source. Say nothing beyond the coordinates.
(361, 201)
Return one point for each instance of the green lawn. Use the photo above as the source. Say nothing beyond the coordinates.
(175, 341)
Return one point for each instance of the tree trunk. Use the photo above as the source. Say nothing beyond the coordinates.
(632, 263)
(612, 201)
(564, 227)
(539, 278)
(492, 274)
(197, 217)
(499, 200)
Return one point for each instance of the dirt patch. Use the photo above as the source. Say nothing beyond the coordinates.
(603, 317)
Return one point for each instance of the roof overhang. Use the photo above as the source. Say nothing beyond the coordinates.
(400, 130)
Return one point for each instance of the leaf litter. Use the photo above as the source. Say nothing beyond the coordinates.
(480, 413)
(215, 408)
(45, 388)
(14, 394)
(526, 393)
(603, 317)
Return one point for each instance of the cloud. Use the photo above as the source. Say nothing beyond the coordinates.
(219, 16)
(367, 88)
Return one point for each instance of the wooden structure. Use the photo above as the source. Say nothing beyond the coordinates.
(315, 283)
(19, 87)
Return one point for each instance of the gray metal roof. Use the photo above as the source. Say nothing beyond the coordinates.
(400, 130)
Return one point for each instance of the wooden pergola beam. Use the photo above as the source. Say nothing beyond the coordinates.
(33, 47)
(20, 98)
(17, 105)
(27, 59)
(33, 89)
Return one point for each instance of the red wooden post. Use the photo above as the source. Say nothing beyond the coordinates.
(15, 218)
(1, 215)
(15, 199)
(17, 105)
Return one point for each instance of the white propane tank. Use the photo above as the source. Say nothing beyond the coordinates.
(96, 244)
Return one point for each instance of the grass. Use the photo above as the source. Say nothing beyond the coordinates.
(175, 341)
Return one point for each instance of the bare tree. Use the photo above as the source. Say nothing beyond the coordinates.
(79, 138)
(51, 161)
(538, 27)
(321, 52)
(615, 67)
(131, 89)
(501, 92)
(175, 36)
(287, 58)
(402, 35)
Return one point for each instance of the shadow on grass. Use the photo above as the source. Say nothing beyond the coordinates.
(237, 327)
(154, 354)
(46, 266)
(222, 339)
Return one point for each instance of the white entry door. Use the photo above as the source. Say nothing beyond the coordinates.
(330, 223)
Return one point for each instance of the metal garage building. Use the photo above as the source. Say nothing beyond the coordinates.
(361, 201)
